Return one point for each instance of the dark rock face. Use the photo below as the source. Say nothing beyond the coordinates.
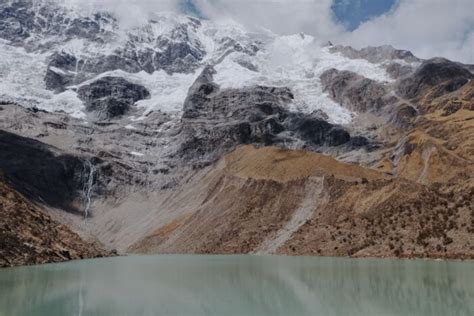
(375, 54)
(176, 52)
(177, 55)
(315, 132)
(22, 21)
(354, 91)
(230, 44)
(445, 75)
(61, 71)
(396, 70)
(35, 170)
(364, 95)
(14, 21)
(216, 121)
(181, 56)
(200, 94)
(110, 97)
(43, 25)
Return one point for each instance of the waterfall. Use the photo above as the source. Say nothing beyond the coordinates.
(88, 186)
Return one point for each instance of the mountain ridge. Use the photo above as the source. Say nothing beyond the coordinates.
(192, 136)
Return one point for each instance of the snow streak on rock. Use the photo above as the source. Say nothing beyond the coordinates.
(88, 176)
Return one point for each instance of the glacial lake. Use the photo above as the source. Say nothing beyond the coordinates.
(239, 285)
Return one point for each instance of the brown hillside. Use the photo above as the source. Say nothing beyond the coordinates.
(29, 236)
(271, 200)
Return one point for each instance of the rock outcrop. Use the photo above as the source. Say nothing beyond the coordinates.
(41, 172)
(62, 71)
(437, 76)
(376, 54)
(110, 97)
(44, 26)
(216, 121)
(354, 91)
(397, 70)
(28, 23)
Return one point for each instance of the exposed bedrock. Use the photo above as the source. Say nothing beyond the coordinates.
(61, 72)
(404, 115)
(110, 97)
(399, 103)
(376, 54)
(172, 56)
(439, 74)
(354, 91)
(363, 95)
(142, 50)
(397, 70)
(217, 120)
(44, 174)
(46, 26)
(22, 21)
(65, 69)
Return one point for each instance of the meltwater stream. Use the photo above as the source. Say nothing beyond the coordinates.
(239, 285)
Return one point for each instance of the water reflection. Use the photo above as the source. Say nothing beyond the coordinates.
(239, 285)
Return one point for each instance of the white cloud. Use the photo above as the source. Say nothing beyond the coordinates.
(281, 16)
(129, 12)
(426, 27)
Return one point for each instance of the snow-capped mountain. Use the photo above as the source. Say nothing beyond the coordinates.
(50, 50)
(140, 129)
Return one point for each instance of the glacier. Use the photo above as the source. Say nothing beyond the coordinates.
(240, 58)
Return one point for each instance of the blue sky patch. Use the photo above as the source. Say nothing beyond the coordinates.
(352, 13)
(188, 7)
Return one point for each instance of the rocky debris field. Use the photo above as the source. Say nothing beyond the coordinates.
(29, 236)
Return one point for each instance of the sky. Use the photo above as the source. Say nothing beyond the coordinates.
(352, 13)
(428, 28)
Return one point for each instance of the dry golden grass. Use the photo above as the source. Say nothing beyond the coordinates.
(282, 165)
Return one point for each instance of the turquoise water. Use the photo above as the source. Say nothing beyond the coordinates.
(239, 285)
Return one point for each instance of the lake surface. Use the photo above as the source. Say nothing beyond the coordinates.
(239, 285)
